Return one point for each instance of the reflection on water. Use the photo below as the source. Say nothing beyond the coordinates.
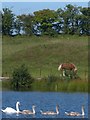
(45, 101)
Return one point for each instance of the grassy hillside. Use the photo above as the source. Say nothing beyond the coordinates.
(43, 55)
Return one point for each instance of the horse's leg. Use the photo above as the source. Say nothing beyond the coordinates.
(73, 74)
(64, 73)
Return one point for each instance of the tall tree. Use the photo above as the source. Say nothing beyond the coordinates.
(45, 18)
(69, 16)
(7, 21)
(27, 23)
(18, 26)
(85, 21)
(60, 21)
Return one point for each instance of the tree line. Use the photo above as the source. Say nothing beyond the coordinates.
(69, 20)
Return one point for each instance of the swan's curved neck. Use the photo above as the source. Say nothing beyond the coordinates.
(57, 111)
(17, 107)
(33, 110)
(83, 113)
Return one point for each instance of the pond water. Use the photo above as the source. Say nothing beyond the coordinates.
(44, 101)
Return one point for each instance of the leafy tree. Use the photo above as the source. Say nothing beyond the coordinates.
(21, 79)
(85, 21)
(18, 26)
(7, 21)
(70, 15)
(45, 18)
(77, 24)
(27, 23)
(59, 24)
(70, 20)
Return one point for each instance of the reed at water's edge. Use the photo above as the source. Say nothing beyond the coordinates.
(61, 86)
(57, 86)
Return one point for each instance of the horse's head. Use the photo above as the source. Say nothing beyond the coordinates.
(60, 67)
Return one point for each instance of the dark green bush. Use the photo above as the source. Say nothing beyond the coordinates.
(21, 79)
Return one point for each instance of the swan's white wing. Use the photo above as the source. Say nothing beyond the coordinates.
(27, 111)
(9, 110)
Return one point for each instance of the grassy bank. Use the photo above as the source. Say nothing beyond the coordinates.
(72, 86)
(63, 86)
(42, 55)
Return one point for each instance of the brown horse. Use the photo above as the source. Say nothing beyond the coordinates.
(67, 66)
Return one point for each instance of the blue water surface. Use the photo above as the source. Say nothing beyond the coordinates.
(44, 101)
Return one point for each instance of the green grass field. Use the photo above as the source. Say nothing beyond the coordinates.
(42, 55)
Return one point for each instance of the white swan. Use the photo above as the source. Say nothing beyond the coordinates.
(76, 113)
(51, 112)
(10, 110)
(29, 111)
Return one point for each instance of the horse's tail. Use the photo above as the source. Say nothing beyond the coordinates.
(75, 68)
